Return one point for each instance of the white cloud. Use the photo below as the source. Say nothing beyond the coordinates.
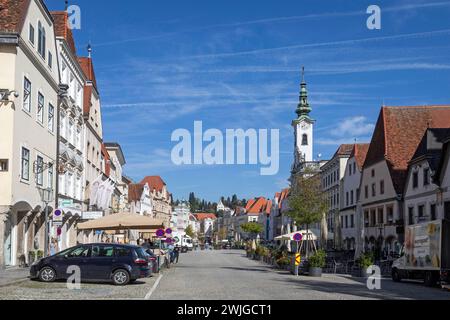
(353, 127)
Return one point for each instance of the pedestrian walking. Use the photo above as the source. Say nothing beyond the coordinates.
(53, 246)
(171, 252)
(176, 252)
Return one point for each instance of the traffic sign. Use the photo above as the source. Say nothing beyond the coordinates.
(297, 259)
(58, 215)
(298, 237)
(176, 239)
(169, 231)
(160, 233)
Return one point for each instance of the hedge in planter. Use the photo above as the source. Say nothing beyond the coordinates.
(316, 263)
(365, 261)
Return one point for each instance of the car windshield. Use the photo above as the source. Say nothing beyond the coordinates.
(64, 252)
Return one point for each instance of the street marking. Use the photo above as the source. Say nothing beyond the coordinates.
(149, 294)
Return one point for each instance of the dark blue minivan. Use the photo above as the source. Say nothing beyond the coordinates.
(118, 263)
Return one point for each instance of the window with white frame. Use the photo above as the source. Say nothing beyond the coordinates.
(62, 125)
(70, 132)
(50, 177)
(31, 34)
(26, 94)
(79, 95)
(62, 183)
(72, 86)
(40, 108)
(78, 138)
(64, 72)
(50, 59)
(25, 170)
(69, 190)
(51, 117)
(78, 188)
(39, 173)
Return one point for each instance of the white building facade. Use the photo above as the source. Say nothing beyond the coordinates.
(71, 133)
(331, 176)
(350, 209)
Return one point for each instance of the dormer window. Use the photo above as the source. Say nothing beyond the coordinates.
(31, 34)
(426, 176)
(415, 179)
(41, 40)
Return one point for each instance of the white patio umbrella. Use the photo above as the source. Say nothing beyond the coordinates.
(305, 235)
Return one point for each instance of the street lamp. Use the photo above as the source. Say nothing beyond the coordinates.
(46, 197)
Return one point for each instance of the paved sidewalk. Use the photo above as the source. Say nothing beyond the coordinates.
(13, 275)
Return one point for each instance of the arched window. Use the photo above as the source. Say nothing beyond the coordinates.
(305, 140)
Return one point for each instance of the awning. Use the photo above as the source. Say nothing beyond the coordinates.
(290, 236)
(122, 221)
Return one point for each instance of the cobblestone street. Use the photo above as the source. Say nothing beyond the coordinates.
(226, 275)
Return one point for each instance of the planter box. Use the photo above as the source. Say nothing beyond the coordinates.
(364, 273)
(315, 272)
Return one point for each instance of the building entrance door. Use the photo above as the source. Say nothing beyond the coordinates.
(7, 251)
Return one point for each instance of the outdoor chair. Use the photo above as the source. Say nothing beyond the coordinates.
(338, 266)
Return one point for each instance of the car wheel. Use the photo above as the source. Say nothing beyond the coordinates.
(396, 275)
(120, 277)
(47, 274)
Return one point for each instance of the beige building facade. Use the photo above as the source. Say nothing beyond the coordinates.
(28, 138)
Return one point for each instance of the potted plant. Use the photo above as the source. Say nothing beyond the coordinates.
(40, 254)
(365, 261)
(31, 257)
(283, 261)
(316, 263)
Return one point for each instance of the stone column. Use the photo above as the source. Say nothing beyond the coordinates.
(4, 212)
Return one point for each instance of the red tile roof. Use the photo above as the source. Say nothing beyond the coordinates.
(62, 28)
(135, 191)
(12, 15)
(360, 153)
(284, 195)
(397, 134)
(154, 182)
(258, 205)
(203, 216)
(88, 68)
(344, 150)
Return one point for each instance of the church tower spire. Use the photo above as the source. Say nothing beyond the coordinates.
(303, 108)
(303, 130)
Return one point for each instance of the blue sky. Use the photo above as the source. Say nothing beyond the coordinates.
(161, 65)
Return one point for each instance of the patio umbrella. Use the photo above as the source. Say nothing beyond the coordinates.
(290, 236)
(122, 221)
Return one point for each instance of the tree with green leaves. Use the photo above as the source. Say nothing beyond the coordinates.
(307, 203)
(189, 231)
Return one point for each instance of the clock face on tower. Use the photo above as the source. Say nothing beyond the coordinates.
(305, 126)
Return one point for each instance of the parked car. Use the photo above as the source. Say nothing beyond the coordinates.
(118, 263)
(152, 259)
